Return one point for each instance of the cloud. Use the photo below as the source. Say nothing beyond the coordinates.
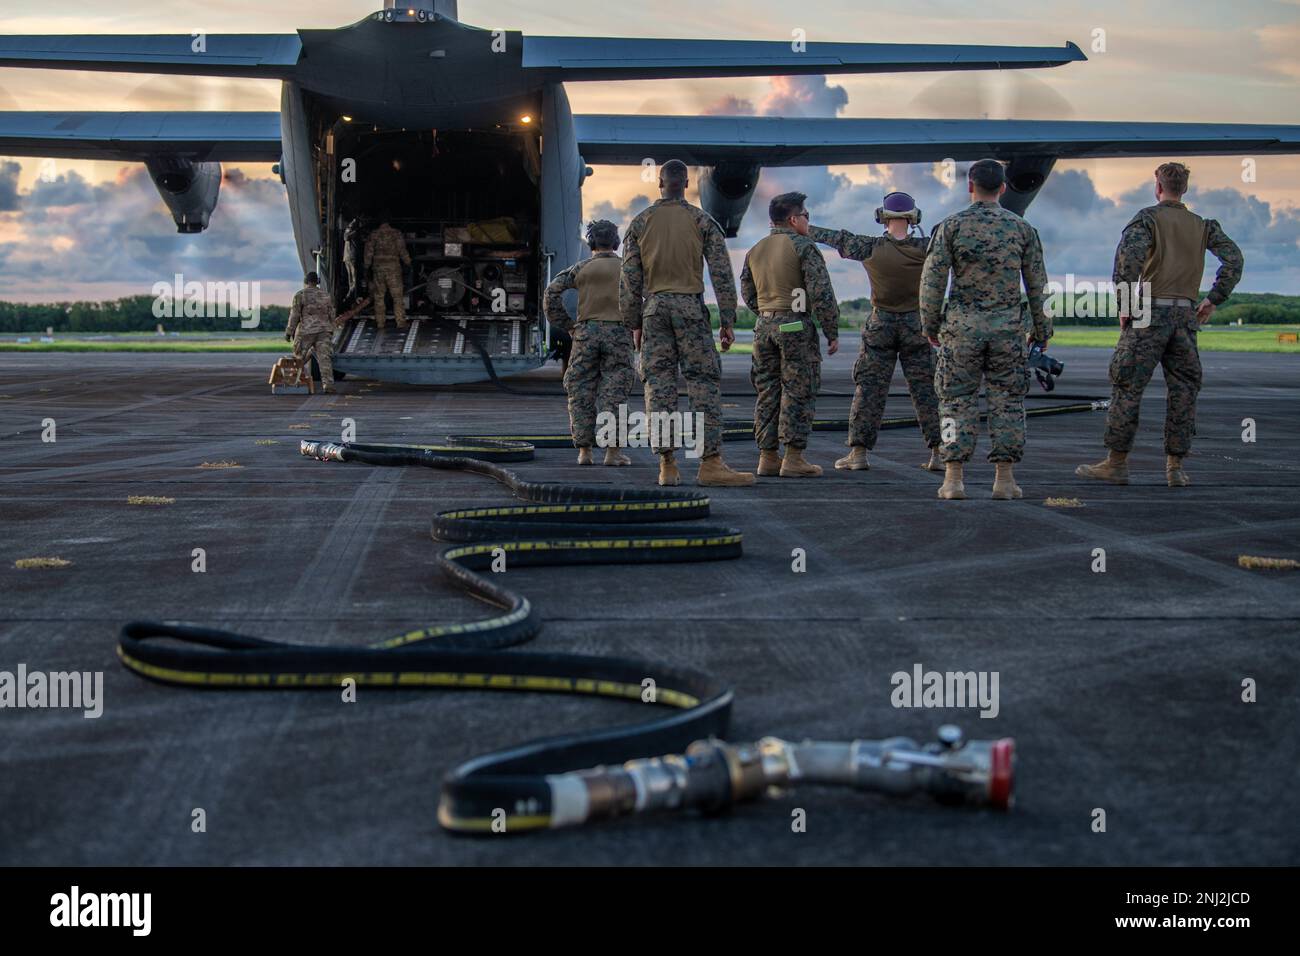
(1079, 226)
(9, 171)
(119, 233)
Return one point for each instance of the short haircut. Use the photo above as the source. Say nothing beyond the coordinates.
(311, 278)
(673, 174)
(1173, 178)
(988, 175)
(784, 206)
(602, 234)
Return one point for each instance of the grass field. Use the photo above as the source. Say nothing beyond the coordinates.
(1247, 338)
(1231, 338)
(152, 343)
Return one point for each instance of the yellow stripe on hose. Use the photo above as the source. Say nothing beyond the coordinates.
(475, 681)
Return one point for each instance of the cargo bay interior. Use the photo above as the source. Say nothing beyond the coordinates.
(467, 203)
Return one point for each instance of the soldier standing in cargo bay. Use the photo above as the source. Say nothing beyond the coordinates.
(661, 297)
(988, 250)
(600, 375)
(1163, 245)
(784, 280)
(892, 334)
(311, 328)
(386, 255)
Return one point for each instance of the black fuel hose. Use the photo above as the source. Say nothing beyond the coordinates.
(560, 525)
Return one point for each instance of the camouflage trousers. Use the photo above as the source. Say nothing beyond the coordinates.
(787, 374)
(599, 377)
(1170, 341)
(320, 344)
(675, 333)
(889, 338)
(388, 279)
(989, 347)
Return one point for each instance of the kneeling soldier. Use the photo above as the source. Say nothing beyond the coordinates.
(784, 276)
(311, 328)
(600, 376)
(893, 333)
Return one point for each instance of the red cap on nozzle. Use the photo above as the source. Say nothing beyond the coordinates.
(1000, 776)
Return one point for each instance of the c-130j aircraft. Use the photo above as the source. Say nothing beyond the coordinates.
(463, 139)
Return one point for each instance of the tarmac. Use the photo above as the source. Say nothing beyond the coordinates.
(1123, 688)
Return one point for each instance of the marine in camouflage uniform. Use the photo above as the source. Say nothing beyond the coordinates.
(988, 250)
(1163, 245)
(661, 295)
(353, 251)
(311, 328)
(599, 377)
(785, 283)
(385, 256)
(892, 335)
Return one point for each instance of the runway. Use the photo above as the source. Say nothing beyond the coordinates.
(1123, 689)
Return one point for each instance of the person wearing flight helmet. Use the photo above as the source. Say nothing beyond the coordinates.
(892, 334)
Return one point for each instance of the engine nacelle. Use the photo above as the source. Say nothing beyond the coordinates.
(725, 192)
(1025, 176)
(188, 188)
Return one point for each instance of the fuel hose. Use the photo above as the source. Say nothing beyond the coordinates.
(675, 759)
(556, 525)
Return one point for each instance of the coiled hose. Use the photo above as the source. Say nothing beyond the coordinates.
(509, 790)
(559, 525)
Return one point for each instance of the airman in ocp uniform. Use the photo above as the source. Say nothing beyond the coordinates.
(385, 256)
(599, 377)
(311, 327)
(661, 297)
(1163, 245)
(892, 334)
(785, 283)
(988, 250)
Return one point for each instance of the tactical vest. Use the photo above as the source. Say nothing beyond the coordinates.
(597, 284)
(776, 270)
(672, 250)
(1176, 260)
(894, 269)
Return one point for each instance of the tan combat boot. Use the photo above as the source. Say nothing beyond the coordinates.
(1114, 469)
(714, 472)
(855, 460)
(935, 463)
(1004, 482)
(1174, 473)
(668, 473)
(615, 458)
(952, 488)
(793, 465)
(584, 456)
(769, 463)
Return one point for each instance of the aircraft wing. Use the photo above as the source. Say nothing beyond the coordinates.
(254, 55)
(608, 58)
(213, 136)
(776, 141)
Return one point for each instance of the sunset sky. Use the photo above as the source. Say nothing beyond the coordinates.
(98, 230)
